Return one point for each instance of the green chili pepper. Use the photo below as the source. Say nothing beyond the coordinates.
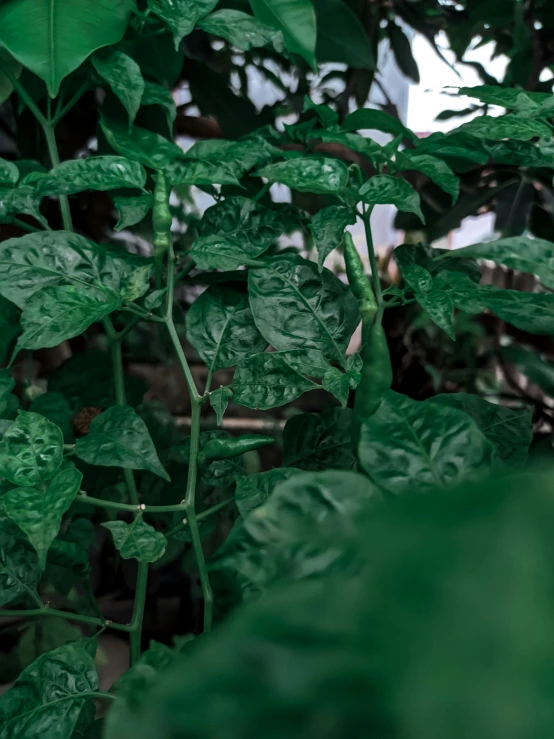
(359, 284)
(229, 448)
(161, 218)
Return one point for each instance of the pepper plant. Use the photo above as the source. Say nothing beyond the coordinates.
(278, 317)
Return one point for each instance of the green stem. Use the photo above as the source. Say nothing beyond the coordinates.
(48, 128)
(25, 226)
(262, 191)
(373, 264)
(47, 611)
(72, 101)
(138, 611)
(152, 509)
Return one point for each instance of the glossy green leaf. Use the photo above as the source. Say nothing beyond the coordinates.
(118, 437)
(507, 97)
(181, 15)
(49, 695)
(137, 540)
(408, 446)
(19, 570)
(124, 77)
(7, 384)
(506, 127)
(58, 313)
(327, 228)
(38, 513)
(521, 153)
(319, 441)
(143, 146)
(31, 450)
(6, 86)
(241, 30)
(220, 252)
(52, 38)
(525, 254)
(21, 200)
(253, 490)
(56, 408)
(538, 369)
(296, 307)
(221, 328)
(309, 174)
(373, 119)
(9, 173)
(198, 172)
(435, 260)
(39, 260)
(338, 384)
(155, 94)
(509, 429)
(437, 171)
(433, 299)
(252, 226)
(296, 19)
(154, 299)
(266, 381)
(131, 209)
(94, 173)
(402, 50)
(341, 37)
(219, 400)
(237, 156)
(383, 189)
(326, 115)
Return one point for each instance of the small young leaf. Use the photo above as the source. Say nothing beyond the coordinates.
(219, 252)
(327, 228)
(137, 540)
(373, 119)
(155, 94)
(48, 697)
(266, 381)
(119, 438)
(219, 400)
(124, 77)
(338, 384)
(241, 30)
(221, 328)
(38, 513)
(296, 19)
(131, 209)
(326, 115)
(155, 299)
(181, 15)
(141, 145)
(308, 174)
(253, 490)
(7, 384)
(31, 450)
(386, 190)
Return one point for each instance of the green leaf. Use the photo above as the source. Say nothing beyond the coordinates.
(521, 153)
(219, 400)
(94, 173)
(221, 328)
(241, 30)
(6, 87)
(23, 199)
(219, 252)
(525, 254)
(253, 490)
(326, 115)
(327, 228)
(509, 429)
(124, 77)
(538, 369)
(308, 174)
(460, 150)
(341, 37)
(181, 15)
(7, 384)
(435, 260)
(319, 441)
(154, 299)
(131, 209)
(198, 172)
(386, 190)
(19, 570)
(57, 313)
(338, 384)
(143, 146)
(296, 19)
(119, 438)
(35, 261)
(53, 38)
(237, 156)
(295, 307)
(507, 97)
(9, 173)
(437, 171)
(266, 381)
(155, 94)
(433, 299)
(38, 513)
(56, 408)
(408, 447)
(506, 127)
(49, 695)
(137, 540)
(402, 50)
(31, 450)
(9, 326)
(373, 119)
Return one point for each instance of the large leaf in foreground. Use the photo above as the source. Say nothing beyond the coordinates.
(319, 441)
(47, 698)
(408, 447)
(119, 438)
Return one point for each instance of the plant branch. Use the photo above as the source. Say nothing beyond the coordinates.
(138, 611)
(45, 610)
(373, 263)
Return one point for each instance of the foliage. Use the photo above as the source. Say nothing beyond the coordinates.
(362, 541)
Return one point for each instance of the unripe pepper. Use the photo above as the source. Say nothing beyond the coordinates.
(161, 218)
(231, 447)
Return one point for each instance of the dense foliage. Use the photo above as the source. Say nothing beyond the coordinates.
(357, 586)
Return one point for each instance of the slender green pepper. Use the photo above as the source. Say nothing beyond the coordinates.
(161, 218)
(359, 284)
(229, 448)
